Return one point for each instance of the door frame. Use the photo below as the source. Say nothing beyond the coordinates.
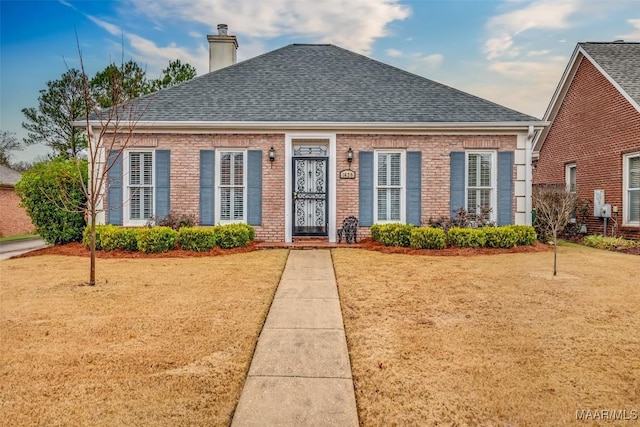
(331, 181)
(326, 196)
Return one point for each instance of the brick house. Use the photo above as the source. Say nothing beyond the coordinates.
(13, 218)
(593, 142)
(295, 140)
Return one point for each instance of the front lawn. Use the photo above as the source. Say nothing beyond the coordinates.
(157, 342)
(491, 340)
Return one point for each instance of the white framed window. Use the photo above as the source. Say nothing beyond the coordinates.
(631, 190)
(570, 175)
(231, 182)
(389, 193)
(480, 184)
(139, 188)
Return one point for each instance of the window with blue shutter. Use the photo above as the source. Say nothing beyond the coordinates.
(207, 187)
(114, 188)
(254, 187)
(414, 187)
(456, 187)
(505, 188)
(365, 188)
(163, 183)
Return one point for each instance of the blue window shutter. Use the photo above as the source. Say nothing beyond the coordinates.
(505, 187)
(254, 187)
(207, 187)
(114, 188)
(163, 182)
(456, 188)
(414, 187)
(365, 183)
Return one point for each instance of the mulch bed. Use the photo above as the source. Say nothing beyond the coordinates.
(78, 249)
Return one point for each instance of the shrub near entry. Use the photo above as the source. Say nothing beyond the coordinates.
(466, 237)
(197, 239)
(395, 234)
(499, 237)
(428, 238)
(233, 235)
(156, 239)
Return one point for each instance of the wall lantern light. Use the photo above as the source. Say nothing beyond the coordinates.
(349, 155)
(272, 154)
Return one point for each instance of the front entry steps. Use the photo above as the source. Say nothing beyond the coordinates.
(306, 242)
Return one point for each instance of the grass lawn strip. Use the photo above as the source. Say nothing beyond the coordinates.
(491, 340)
(157, 342)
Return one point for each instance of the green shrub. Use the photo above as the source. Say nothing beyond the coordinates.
(86, 236)
(111, 238)
(156, 239)
(428, 238)
(51, 193)
(395, 234)
(466, 237)
(250, 230)
(500, 237)
(117, 238)
(232, 235)
(608, 243)
(197, 239)
(375, 232)
(526, 234)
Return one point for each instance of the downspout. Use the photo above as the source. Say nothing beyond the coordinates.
(528, 176)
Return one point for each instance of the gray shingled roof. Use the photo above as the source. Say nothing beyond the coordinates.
(8, 176)
(621, 60)
(320, 83)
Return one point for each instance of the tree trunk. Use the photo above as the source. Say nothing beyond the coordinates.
(92, 245)
(555, 251)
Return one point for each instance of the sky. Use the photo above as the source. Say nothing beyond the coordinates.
(512, 52)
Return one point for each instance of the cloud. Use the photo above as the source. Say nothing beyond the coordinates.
(535, 15)
(434, 60)
(499, 46)
(394, 53)
(112, 29)
(195, 35)
(540, 14)
(635, 34)
(541, 52)
(355, 24)
(155, 57)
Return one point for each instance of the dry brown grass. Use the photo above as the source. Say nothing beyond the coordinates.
(162, 342)
(491, 340)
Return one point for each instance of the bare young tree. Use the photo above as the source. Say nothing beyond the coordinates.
(8, 143)
(554, 206)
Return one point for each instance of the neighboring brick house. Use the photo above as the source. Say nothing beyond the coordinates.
(13, 218)
(297, 139)
(593, 142)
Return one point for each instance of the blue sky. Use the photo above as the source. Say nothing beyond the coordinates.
(512, 52)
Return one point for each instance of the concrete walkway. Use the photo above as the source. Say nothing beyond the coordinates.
(18, 247)
(300, 374)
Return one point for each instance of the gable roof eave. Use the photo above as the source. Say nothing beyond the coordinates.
(563, 87)
(258, 126)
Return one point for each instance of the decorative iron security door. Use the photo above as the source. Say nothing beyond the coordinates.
(310, 196)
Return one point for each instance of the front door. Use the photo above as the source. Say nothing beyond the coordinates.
(310, 196)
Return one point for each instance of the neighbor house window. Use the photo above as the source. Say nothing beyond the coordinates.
(632, 189)
(481, 186)
(570, 174)
(139, 197)
(231, 194)
(389, 186)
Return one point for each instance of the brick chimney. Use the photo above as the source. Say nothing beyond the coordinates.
(222, 49)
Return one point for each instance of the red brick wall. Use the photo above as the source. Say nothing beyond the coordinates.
(435, 166)
(594, 128)
(185, 160)
(13, 219)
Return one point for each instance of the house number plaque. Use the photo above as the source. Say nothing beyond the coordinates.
(348, 174)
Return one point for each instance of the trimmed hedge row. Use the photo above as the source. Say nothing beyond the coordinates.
(163, 239)
(506, 236)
